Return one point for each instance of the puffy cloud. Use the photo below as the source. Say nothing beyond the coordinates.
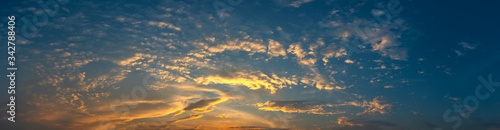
(459, 53)
(275, 48)
(308, 61)
(66, 54)
(317, 80)
(357, 33)
(384, 42)
(387, 46)
(465, 47)
(297, 50)
(313, 47)
(222, 116)
(298, 3)
(349, 61)
(332, 51)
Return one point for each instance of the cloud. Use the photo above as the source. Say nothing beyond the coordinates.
(134, 59)
(296, 107)
(386, 45)
(388, 86)
(222, 116)
(239, 45)
(459, 53)
(203, 104)
(190, 117)
(163, 25)
(465, 47)
(416, 113)
(377, 12)
(349, 61)
(468, 46)
(296, 49)
(317, 80)
(314, 78)
(275, 48)
(358, 33)
(234, 118)
(295, 3)
(373, 107)
(308, 61)
(332, 51)
(348, 123)
(252, 80)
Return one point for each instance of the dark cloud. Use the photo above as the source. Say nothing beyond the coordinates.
(200, 104)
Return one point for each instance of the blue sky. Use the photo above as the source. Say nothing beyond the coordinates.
(298, 64)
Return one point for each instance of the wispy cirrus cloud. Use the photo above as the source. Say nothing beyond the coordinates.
(373, 107)
(296, 107)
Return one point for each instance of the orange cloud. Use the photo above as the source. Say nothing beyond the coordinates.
(190, 117)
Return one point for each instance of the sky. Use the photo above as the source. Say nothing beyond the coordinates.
(254, 64)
